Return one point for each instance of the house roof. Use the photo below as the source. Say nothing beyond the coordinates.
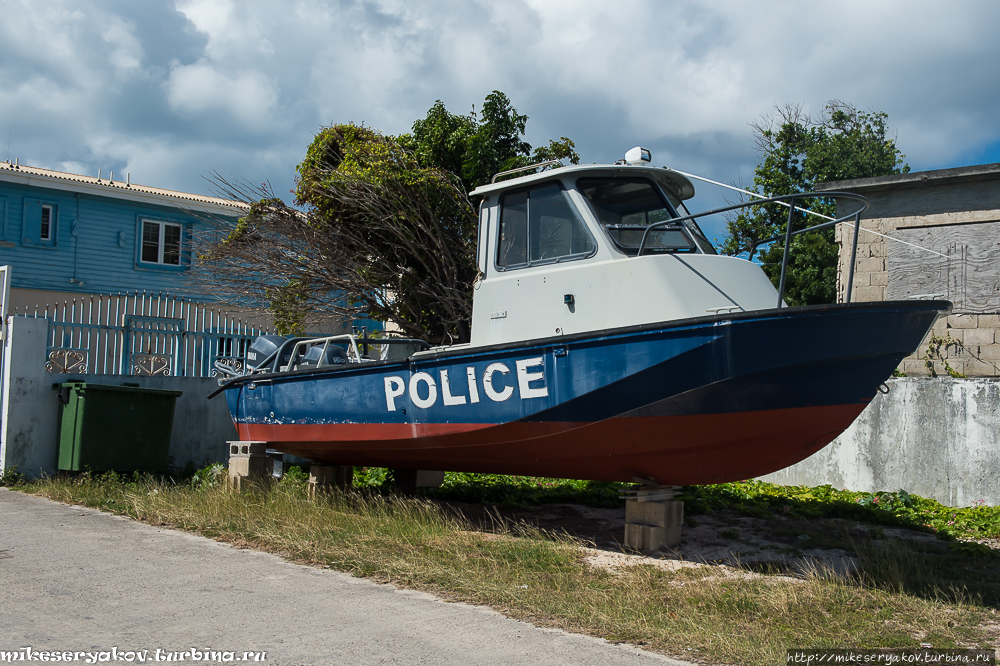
(28, 175)
(937, 176)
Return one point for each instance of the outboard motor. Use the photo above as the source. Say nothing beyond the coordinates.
(261, 352)
(263, 349)
(334, 356)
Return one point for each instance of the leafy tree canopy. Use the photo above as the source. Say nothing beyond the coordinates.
(797, 152)
(477, 146)
(386, 229)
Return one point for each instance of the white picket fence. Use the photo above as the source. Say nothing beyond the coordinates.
(144, 333)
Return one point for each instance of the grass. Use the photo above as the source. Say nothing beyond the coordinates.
(899, 598)
(504, 490)
(758, 498)
(751, 498)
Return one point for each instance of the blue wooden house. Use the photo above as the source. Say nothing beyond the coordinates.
(110, 264)
(66, 235)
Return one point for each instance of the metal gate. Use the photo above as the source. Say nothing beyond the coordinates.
(144, 334)
(153, 344)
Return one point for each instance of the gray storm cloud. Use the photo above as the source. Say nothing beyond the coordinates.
(174, 92)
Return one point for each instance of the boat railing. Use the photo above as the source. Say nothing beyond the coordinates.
(785, 200)
(538, 165)
(301, 353)
(316, 352)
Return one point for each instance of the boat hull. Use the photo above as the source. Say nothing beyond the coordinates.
(700, 401)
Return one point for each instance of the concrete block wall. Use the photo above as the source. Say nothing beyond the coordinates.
(28, 437)
(937, 438)
(870, 271)
(977, 352)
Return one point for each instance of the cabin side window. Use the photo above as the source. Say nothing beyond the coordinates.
(626, 206)
(540, 226)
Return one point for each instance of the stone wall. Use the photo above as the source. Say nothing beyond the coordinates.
(937, 438)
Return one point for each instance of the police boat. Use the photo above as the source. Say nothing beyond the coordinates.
(609, 342)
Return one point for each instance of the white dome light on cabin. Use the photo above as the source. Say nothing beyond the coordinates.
(638, 156)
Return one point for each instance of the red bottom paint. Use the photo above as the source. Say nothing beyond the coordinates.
(682, 450)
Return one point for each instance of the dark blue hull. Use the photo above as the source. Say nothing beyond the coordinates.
(697, 401)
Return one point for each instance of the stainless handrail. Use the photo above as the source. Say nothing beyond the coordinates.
(301, 347)
(791, 198)
(524, 168)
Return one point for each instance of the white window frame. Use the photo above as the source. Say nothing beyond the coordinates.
(161, 225)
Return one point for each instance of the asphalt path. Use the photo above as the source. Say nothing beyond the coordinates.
(75, 579)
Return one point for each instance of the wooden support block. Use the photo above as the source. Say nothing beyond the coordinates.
(324, 477)
(649, 539)
(654, 514)
(650, 526)
(408, 480)
(321, 475)
(345, 477)
(331, 475)
(429, 479)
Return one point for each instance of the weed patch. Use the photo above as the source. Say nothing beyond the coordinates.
(11, 477)
(761, 499)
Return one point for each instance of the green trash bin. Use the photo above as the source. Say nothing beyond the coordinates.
(122, 428)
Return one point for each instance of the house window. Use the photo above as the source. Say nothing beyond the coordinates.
(161, 243)
(45, 233)
(40, 223)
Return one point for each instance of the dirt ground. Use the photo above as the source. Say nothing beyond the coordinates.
(774, 545)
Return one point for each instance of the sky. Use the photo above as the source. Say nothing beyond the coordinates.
(172, 92)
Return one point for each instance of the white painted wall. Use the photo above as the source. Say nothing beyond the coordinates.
(30, 407)
(936, 438)
(527, 303)
(29, 403)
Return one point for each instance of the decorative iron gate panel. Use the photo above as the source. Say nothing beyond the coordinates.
(143, 334)
(152, 344)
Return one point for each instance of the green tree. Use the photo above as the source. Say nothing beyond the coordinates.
(384, 228)
(797, 152)
(477, 146)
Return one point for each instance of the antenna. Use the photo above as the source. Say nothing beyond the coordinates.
(8, 146)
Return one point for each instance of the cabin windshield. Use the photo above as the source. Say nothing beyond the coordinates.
(626, 206)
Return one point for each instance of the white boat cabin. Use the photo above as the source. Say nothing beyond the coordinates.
(558, 253)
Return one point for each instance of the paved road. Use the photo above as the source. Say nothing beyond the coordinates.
(78, 579)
